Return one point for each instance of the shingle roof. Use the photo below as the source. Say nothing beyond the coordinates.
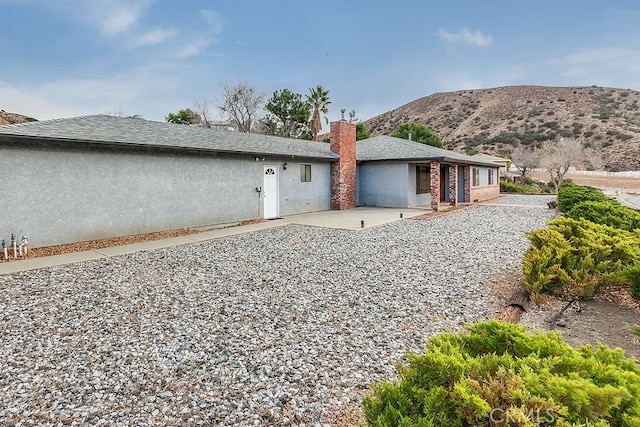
(489, 158)
(389, 148)
(121, 131)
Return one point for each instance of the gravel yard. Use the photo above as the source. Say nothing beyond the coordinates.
(287, 326)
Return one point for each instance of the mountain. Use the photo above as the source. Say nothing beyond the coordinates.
(11, 118)
(495, 120)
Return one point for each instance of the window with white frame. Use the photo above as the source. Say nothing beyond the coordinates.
(490, 176)
(475, 173)
(305, 173)
(423, 179)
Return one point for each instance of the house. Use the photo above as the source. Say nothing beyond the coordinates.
(501, 161)
(94, 177)
(396, 172)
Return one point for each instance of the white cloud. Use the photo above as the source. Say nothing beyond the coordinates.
(32, 103)
(616, 57)
(214, 20)
(611, 66)
(215, 25)
(195, 47)
(116, 17)
(154, 37)
(112, 17)
(464, 36)
(133, 91)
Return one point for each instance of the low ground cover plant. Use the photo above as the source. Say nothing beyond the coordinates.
(570, 194)
(497, 374)
(607, 212)
(577, 258)
(595, 244)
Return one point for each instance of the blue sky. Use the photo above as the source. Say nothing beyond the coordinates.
(63, 58)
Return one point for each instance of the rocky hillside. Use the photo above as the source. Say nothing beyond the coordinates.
(11, 118)
(495, 120)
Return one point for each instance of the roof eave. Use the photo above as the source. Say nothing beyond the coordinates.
(120, 144)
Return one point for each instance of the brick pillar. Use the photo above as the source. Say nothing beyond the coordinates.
(467, 183)
(453, 185)
(435, 186)
(343, 172)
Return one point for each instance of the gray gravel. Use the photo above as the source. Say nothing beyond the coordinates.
(288, 326)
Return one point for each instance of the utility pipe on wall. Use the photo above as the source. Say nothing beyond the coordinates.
(24, 246)
(17, 249)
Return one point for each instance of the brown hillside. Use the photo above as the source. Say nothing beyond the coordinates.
(11, 118)
(495, 120)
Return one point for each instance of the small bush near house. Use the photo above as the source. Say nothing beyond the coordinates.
(525, 185)
(497, 374)
(507, 187)
(569, 194)
(608, 212)
(577, 258)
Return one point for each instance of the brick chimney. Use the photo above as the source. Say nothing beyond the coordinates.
(343, 172)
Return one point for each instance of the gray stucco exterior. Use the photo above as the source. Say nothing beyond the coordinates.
(69, 194)
(389, 184)
(95, 177)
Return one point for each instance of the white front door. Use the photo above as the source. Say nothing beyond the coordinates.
(270, 193)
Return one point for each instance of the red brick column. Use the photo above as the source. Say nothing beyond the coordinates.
(343, 172)
(453, 185)
(435, 186)
(467, 183)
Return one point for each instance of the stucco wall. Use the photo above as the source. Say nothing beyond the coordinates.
(301, 197)
(383, 184)
(72, 194)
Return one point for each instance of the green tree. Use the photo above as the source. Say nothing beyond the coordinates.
(318, 101)
(362, 132)
(288, 115)
(418, 133)
(183, 117)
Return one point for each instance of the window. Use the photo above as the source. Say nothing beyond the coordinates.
(490, 176)
(423, 179)
(476, 177)
(305, 173)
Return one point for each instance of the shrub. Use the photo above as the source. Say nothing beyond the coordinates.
(497, 370)
(608, 212)
(507, 187)
(633, 276)
(578, 258)
(569, 194)
(525, 185)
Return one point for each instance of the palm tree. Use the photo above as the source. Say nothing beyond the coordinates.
(318, 100)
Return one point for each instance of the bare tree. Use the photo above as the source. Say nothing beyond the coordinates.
(202, 110)
(558, 156)
(241, 105)
(593, 155)
(525, 159)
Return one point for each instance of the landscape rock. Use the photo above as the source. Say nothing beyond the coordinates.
(286, 326)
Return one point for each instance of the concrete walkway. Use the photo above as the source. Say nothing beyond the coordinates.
(351, 219)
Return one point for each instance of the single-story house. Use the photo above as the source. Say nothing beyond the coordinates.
(501, 161)
(100, 176)
(394, 172)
